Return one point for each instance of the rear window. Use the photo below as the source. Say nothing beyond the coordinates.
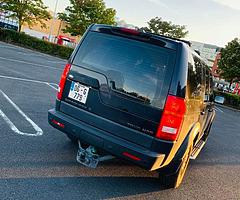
(134, 68)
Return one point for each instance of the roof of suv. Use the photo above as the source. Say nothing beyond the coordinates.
(98, 27)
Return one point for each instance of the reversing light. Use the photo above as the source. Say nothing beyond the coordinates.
(63, 81)
(172, 118)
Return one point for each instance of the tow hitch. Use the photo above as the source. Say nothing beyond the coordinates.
(89, 157)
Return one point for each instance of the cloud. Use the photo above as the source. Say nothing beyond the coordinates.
(160, 3)
(164, 5)
(234, 4)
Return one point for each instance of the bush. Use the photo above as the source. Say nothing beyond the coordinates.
(24, 40)
(231, 100)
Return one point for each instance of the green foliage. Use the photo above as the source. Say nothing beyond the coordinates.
(82, 13)
(158, 26)
(26, 11)
(27, 41)
(231, 100)
(229, 64)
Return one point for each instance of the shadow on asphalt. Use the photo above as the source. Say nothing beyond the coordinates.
(81, 187)
(220, 155)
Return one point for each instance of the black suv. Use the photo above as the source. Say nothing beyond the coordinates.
(138, 96)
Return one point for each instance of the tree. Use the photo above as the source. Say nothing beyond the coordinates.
(27, 12)
(229, 64)
(82, 13)
(158, 26)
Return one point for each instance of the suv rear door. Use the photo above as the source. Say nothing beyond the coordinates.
(128, 77)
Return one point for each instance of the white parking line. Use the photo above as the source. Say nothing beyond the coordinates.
(31, 80)
(38, 130)
(29, 63)
(40, 55)
(218, 109)
(52, 61)
(24, 53)
(55, 87)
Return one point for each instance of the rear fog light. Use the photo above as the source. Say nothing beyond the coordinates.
(131, 156)
(58, 123)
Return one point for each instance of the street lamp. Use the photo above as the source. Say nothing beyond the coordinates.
(53, 20)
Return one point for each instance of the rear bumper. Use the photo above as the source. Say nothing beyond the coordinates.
(104, 140)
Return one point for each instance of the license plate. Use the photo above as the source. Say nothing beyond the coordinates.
(78, 92)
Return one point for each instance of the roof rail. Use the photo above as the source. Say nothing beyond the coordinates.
(168, 37)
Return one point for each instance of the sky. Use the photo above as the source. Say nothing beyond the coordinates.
(208, 21)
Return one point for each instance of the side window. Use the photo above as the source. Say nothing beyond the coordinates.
(207, 89)
(192, 84)
(196, 77)
(211, 85)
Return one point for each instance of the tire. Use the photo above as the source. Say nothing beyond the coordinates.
(174, 180)
(207, 131)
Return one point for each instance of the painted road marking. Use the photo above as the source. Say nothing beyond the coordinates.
(53, 85)
(29, 63)
(31, 80)
(218, 109)
(38, 130)
(40, 55)
(52, 61)
(27, 80)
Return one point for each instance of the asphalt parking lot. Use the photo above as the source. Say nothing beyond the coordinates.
(38, 162)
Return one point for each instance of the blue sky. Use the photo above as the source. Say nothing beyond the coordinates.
(209, 21)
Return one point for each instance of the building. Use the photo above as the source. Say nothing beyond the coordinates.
(8, 22)
(54, 28)
(207, 51)
(211, 53)
(215, 71)
(37, 30)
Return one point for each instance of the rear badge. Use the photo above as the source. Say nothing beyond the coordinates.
(147, 131)
(134, 126)
(140, 129)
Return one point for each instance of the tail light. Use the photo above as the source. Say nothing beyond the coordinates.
(172, 118)
(63, 81)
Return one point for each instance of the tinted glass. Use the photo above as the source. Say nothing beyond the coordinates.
(133, 68)
(192, 77)
(207, 89)
(196, 77)
(211, 84)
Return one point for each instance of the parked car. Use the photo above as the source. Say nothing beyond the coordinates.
(137, 96)
(219, 99)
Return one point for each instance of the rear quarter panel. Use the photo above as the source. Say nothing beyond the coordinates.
(179, 87)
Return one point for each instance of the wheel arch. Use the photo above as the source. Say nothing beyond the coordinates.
(192, 134)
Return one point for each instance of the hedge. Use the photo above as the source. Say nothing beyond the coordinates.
(231, 100)
(24, 40)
